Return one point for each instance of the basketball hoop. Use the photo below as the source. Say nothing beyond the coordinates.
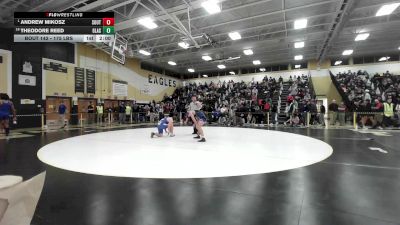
(119, 49)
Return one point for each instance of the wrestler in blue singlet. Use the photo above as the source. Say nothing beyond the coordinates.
(5, 110)
(162, 125)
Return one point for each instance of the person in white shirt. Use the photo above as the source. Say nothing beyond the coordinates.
(367, 95)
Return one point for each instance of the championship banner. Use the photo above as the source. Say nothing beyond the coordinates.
(120, 88)
(26, 80)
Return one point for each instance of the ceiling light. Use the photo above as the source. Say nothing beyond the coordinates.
(206, 58)
(362, 37)
(399, 48)
(297, 66)
(232, 73)
(338, 63)
(262, 69)
(299, 44)
(347, 52)
(172, 63)
(221, 66)
(387, 9)
(147, 22)
(298, 57)
(248, 52)
(384, 59)
(235, 36)
(191, 70)
(183, 45)
(211, 6)
(205, 75)
(256, 62)
(144, 52)
(300, 24)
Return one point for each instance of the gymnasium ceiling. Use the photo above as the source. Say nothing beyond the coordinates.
(266, 26)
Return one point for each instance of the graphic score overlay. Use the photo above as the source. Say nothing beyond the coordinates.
(64, 27)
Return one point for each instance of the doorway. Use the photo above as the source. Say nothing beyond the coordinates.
(52, 104)
(83, 104)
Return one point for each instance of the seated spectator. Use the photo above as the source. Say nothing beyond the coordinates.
(367, 96)
(361, 86)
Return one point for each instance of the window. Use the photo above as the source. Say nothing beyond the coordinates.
(275, 68)
(369, 59)
(394, 57)
(285, 67)
(172, 74)
(358, 60)
(304, 65)
(149, 67)
(344, 61)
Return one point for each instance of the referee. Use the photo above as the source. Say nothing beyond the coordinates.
(193, 107)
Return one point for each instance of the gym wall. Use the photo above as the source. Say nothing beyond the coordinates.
(142, 85)
(4, 71)
(393, 67)
(257, 77)
(323, 85)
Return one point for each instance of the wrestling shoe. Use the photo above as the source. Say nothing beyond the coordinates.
(152, 134)
(202, 140)
(194, 133)
(172, 135)
(197, 137)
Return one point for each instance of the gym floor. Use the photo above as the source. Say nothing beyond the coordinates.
(358, 184)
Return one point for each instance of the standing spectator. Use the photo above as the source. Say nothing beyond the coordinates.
(333, 109)
(398, 112)
(62, 110)
(100, 112)
(313, 111)
(122, 111)
(128, 111)
(147, 112)
(266, 109)
(135, 112)
(322, 112)
(366, 113)
(388, 113)
(274, 114)
(90, 111)
(342, 114)
(115, 111)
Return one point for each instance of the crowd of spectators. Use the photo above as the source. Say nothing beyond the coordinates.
(301, 107)
(237, 103)
(230, 102)
(368, 95)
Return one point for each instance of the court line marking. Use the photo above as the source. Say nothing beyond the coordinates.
(343, 138)
(378, 149)
(15, 136)
(363, 165)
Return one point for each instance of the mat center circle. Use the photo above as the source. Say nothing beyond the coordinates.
(227, 152)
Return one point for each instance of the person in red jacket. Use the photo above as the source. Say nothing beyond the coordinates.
(290, 98)
(377, 108)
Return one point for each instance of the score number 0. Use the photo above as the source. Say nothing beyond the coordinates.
(108, 21)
